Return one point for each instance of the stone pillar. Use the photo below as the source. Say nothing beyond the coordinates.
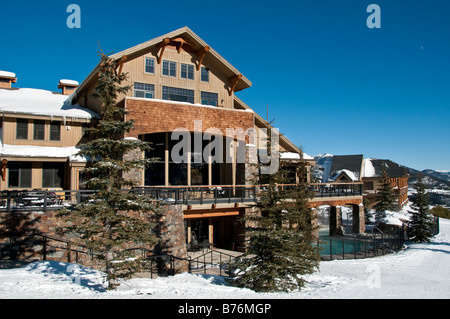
(173, 237)
(359, 223)
(335, 220)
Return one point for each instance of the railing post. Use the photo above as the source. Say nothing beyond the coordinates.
(44, 248)
(8, 202)
(45, 200)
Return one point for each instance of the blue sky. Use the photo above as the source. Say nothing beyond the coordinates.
(331, 83)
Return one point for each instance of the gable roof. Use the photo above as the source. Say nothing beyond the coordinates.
(350, 164)
(195, 42)
(374, 168)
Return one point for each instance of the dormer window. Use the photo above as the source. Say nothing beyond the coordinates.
(169, 69)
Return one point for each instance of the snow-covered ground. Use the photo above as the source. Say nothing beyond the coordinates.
(419, 271)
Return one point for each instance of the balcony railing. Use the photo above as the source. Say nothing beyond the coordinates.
(42, 200)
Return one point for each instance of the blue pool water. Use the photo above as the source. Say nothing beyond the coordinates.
(338, 246)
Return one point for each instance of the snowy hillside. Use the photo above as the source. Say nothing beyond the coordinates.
(419, 271)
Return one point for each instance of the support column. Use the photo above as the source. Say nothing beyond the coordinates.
(335, 220)
(166, 160)
(359, 222)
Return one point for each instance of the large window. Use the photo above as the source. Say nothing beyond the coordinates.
(22, 129)
(52, 175)
(55, 131)
(187, 71)
(39, 130)
(150, 65)
(144, 90)
(169, 68)
(19, 174)
(204, 74)
(210, 98)
(176, 94)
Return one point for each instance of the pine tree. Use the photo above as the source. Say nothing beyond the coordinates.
(113, 219)
(421, 225)
(386, 198)
(280, 237)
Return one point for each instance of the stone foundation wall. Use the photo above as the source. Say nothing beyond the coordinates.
(25, 228)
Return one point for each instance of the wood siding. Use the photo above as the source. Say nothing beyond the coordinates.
(71, 133)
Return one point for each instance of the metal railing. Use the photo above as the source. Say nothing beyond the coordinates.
(213, 259)
(50, 200)
(356, 246)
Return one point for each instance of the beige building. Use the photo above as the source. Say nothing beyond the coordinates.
(40, 131)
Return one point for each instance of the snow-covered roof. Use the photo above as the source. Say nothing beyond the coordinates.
(69, 82)
(37, 151)
(6, 74)
(41, 102)
(369, 170)
(350, 174)
(294, 156)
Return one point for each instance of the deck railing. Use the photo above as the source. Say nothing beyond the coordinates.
(50, 200)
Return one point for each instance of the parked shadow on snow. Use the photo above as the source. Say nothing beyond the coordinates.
(85, 277)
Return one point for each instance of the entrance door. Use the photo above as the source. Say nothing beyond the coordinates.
(199, 231)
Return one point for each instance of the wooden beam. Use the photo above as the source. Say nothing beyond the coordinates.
(234, 81)
(201, 54)
(121, 62)
(162, 47)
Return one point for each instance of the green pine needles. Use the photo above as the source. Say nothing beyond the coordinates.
(280, 234)
(422, 223)
(386, 197)
(114, 221)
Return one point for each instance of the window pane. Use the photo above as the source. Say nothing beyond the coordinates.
(149, 65)
(19, 174)
(204, 74)
(176, 94)
(187, 71)
(170, 68)
(165, 68)
(52, 175)
(55, 131)
(39, 130)
(144, 90)
(22, 129)
(209, 98)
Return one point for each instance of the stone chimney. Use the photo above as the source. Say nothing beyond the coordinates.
(6, 79)
(68, 86)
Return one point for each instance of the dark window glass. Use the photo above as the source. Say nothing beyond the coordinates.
(39, 130)
(55, 131)
(176, 94)
(52, 175)
(19, 174)
(22, 129)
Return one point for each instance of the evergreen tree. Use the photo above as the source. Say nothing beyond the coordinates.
(280, 237)
(113, 219)
(421, 225)
(386, 199)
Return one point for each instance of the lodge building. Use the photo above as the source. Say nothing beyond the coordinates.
(178, 81)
